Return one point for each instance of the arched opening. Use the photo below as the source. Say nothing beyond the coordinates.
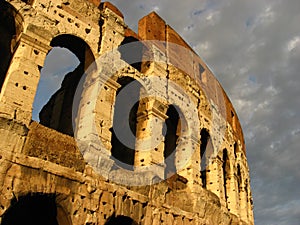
(236, 149)
(59, 61)
(10, 29)
(172, 134)
(34, 210)
(124, 151)
(225, 168)
(120, 220)
(239, 177)
(206, 149)
(57, 112)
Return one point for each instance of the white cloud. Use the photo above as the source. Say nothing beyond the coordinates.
(204, 49)
(213, 17)
(155, 8)
(267, 16)
(292, 44)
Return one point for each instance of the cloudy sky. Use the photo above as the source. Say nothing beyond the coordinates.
(253, 48)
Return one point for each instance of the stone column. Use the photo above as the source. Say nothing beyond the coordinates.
(19, 88)
(250, 208)
(150, 140)
(213, 177)
(94, 121)
(243, 202)
(188, 160)
(232, 193)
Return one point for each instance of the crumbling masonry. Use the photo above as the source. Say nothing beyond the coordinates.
(46, 179)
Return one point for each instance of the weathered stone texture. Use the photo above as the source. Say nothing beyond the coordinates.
(42, 160)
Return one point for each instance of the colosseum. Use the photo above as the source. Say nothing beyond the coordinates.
(185, 162)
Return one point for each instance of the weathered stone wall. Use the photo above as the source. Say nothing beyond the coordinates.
(87, 198)
(40, 161)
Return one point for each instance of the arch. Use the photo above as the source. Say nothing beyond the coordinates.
(236, 149)
(239, 177)
(225, 169)
(120, 220)
(62, 216)
(11, 27)
(120, 151)
(173, 131)
(34, 209)
(206, 149)
(57, 112)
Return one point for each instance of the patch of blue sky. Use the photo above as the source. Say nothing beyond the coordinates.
(58, 63)
(198, 12)
(252, 78)
(208, 6)
(249, 22)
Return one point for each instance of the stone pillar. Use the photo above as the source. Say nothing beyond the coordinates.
(19, 88)
(250, 207)
(188, 160)
(94, 121)
(150, 121)
(104, 110)
(232, 193)
(213, 176)
(243, 202)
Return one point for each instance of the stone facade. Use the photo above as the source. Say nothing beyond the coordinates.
(47, 178)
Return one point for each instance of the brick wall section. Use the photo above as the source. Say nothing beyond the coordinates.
(48, 144)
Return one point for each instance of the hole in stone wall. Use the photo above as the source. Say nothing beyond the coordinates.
(57, 112)
(87, 30)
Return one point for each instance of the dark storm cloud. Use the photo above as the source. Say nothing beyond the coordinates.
(253, 47)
